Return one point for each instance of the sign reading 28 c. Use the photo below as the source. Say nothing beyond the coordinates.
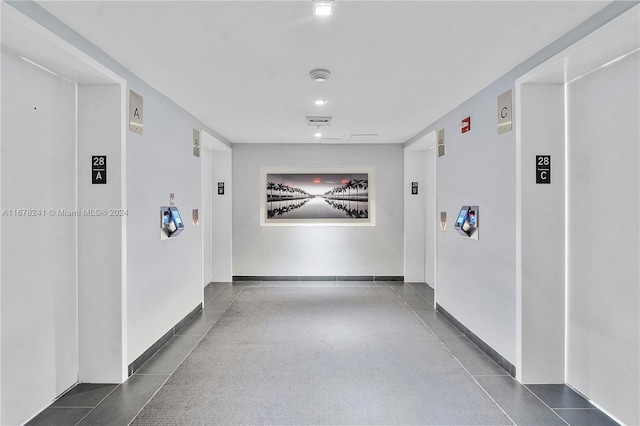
(543, 169)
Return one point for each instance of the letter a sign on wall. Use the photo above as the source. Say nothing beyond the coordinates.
(135, 112)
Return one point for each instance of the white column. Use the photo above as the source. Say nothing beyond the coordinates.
(101, 238)
(540, 236)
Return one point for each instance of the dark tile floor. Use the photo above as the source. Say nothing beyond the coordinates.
(118, 405)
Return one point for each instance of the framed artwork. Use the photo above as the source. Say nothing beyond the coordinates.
(317, 196)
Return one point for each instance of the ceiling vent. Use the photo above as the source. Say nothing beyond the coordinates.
(318, 121)
(331, 140)
(363, 137)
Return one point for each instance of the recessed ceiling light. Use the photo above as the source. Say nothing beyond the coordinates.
(321, 102)
(323, 7)
(320, 75)
(318, 135)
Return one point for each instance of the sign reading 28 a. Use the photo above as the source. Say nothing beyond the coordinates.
(98, 169)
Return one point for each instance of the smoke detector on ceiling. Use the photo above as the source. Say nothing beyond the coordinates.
(320, 75)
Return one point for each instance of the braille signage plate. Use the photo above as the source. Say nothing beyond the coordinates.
(98, 169)
(504, 112)
(543, 169)
(440, 142)
(196, 143)
(135, 113)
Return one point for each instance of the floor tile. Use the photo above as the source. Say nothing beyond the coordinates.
(559, 396)
(169, 357)
(521, 405)
(281, 283)
(406, 290)
(222, 300)
(471, 357)
(59, 416)
(247, 283)
(84, 395)
(201, 324)
(119, 404)
(318, 284)
(230, 291)
(218, 304)
(356, 284)
(585, 417)
(419, 286)
(424, 290)
(417, 302)
(212, 289)
(390, 283)
(125, 402)
(437, 323)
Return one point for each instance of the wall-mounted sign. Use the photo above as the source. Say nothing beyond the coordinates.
(196, 143)
(465, 124)
(172, 199)
(194, 217)
(414, 188)
(220, 188)
(98, 169)
(443, 221)
(440, 142)
(543, 169)
(504, 112)
(135, 112)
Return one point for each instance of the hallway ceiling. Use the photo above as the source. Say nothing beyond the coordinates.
(242, 67)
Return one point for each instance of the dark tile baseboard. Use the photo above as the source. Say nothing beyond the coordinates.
(146, 355)
(264, 278)
(492, 353)
(388, 278)
(318, 278)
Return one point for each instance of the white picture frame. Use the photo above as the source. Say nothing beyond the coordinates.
(311, 196)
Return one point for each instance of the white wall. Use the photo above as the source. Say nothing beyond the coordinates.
(415, 216)
(317, 250)
(217, 227)
(420, 210)
(432, 216)
(599, 343)
(101, 248)
(476, 279)
(39, 286)
(604, 238)
(205, 214)
(222, 216)
(164, 277)
(541, 236)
